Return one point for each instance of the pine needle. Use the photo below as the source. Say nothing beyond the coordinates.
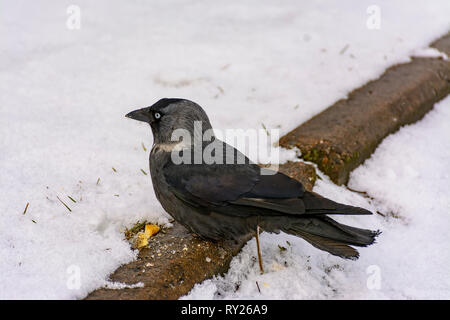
(344, 49)
(65, 205)
(143, 147)
(143, 171)
(261, 269)
(98, 181)
(265, 129)
(114, 169)
(71, 199)
(26, 208)
(138, 226)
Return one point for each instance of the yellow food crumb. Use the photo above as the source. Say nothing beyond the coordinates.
(142, 237)
(141, 241)
(151, 230)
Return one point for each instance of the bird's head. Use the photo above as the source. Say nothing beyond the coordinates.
(170, 114)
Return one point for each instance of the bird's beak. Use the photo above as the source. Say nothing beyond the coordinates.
(143, 114)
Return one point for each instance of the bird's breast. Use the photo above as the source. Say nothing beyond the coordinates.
(158, 159)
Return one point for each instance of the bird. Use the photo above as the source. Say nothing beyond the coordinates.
(231, 200)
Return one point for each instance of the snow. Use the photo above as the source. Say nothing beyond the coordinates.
(429, 53)
(406, 180)
(120, 285)
(64, 94)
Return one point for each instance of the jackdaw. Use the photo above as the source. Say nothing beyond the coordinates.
(229, 200)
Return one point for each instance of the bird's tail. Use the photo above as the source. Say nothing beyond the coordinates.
(316, 204)
(329, 235)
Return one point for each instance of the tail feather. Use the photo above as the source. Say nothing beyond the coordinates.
(336, 248)
(316, 204)
(362, 237)
(331, 236)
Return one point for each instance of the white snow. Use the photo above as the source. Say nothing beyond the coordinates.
(64, 94)
(121, 285)
(408, 179)
(429, 53)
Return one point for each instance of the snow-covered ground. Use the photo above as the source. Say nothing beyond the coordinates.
(408, 180)
(64, 93)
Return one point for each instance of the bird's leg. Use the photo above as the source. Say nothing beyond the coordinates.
(259, 250)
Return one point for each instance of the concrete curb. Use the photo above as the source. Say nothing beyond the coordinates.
(340, 138)
(172, 264)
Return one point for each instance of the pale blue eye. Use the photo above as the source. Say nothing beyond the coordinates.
(157, 115)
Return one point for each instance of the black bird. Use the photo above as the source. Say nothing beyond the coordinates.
(231, 199)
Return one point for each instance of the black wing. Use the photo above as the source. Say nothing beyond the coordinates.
(211, 184)
(235, 189)
(241, 190)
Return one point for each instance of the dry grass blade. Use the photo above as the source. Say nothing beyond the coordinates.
(265, 129)
(344, 49)
(65, 205)
(261, 269)
(26, 208)
(363, 193)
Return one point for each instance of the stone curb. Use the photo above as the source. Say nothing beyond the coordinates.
(340, 138)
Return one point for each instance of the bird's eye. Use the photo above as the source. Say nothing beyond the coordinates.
(157, 115)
